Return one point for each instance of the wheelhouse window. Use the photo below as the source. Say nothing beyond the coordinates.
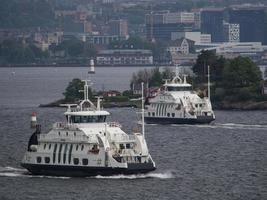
(88, 119)
(175, 88)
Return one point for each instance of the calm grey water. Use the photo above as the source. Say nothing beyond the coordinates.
(224, 160)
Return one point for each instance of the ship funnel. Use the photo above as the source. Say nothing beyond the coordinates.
(33, 120)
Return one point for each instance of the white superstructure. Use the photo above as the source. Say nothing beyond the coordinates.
(178, 103)
(87, 145)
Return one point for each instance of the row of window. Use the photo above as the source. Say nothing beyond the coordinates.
(168, 114)
(77, 146)
(66, 133)
(127, 146)
(75, 160)
(88, 119)
(161, 110)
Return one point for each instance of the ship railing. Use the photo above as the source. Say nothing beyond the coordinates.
(114, 124)
(63, 138)
(123, 138)
(83, 109)
(63, 125)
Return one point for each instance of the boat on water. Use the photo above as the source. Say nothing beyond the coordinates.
(178, 103)
(87, 145)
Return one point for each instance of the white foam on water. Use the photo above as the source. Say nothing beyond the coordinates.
(15, 169)
(166, 175)
(10, 174)
(225, 126)
(19, 172)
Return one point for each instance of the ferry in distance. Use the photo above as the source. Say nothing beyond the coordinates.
(178, 103)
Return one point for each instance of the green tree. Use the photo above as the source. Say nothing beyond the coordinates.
(156, 78)
(242, 79)
(73, 90)
(205, 59)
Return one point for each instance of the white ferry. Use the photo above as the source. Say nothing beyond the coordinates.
(87, 145)
(177, 103)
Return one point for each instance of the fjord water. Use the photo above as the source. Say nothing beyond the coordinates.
(224, 160)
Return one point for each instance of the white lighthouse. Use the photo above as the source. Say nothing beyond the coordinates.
(92, 67)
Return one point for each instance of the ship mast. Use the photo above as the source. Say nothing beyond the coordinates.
(209, 82)
(143, 114)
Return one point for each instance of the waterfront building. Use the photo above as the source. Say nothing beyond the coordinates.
(212, 23)
(124, 57)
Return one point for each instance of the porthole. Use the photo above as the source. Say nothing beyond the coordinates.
(47, 160)
(49, 146)
(39, 159)
(75, 161)
(173, 114)
(44, 146)
(82, 147)
(67, 133)
(74, 133)
(58, 133)
(149, 114)
(168, 114)
(85, 161)
(77, 146)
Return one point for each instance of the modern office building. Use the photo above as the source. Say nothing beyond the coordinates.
(252, 22)
(212, 23)
(231, 32)
(160, 26)
(164, 31)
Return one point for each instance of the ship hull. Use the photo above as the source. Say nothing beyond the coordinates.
(165, 120)
(85, 171)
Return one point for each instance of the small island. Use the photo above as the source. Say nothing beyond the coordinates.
(112, 98)
(236, 84)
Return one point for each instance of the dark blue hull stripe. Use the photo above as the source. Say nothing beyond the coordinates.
(61, 170)
(169, 120)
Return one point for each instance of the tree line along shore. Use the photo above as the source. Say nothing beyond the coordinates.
(236, 84)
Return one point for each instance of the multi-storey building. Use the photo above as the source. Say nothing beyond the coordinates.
(212, 23)
(160, 26)
(118, 27)
(252, 22)
(231, 32)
